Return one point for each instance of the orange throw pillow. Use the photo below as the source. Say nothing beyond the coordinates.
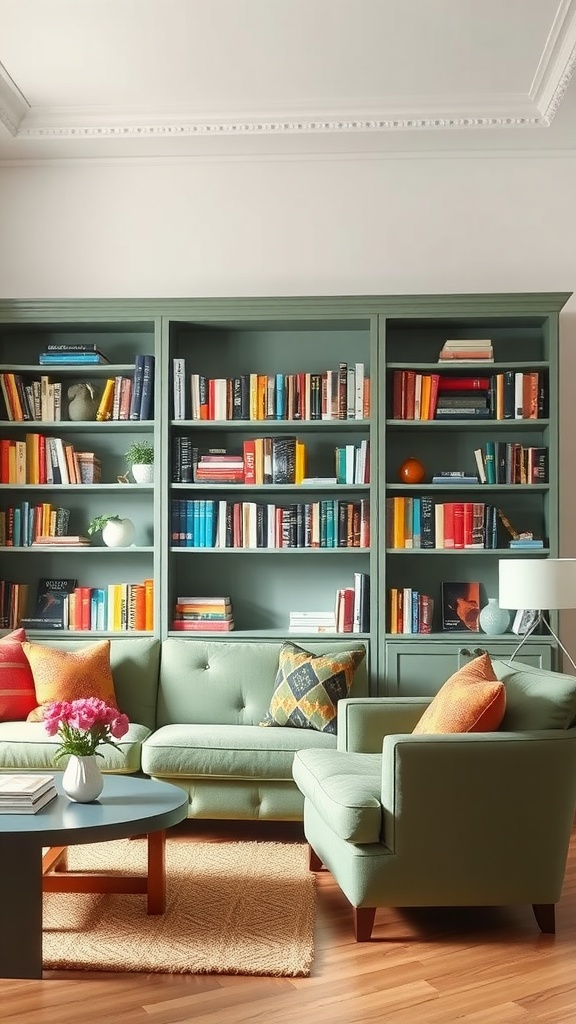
(472, 700)
(17, 694)
(70, 675)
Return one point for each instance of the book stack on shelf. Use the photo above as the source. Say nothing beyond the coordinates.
(312, 623)
(473, 349)
(509, 462)
(40, 459)
(353, 463)
(26, 400)
(203, 614)
(464, 398)
(25, 794)
(129, 398)
(409, 611)
(342, 393)
(115, 608)
(424, 523)
(73, 354)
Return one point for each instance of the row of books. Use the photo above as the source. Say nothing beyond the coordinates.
(246, 524)
(351, 612)
(500, 396)
(23, 524)
(129, 398)
(409, 611)
(62, 604)
(38, 399)
(423, 522)
(260, 460)
(203, 614)
(340, 394)
(501, 462)
(13, 603)
(26, 793)
(40, 459)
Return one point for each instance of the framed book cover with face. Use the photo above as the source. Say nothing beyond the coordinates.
(460, 606)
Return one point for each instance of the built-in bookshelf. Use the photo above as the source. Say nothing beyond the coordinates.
(279, 428)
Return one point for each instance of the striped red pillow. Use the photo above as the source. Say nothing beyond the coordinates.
(17, 693)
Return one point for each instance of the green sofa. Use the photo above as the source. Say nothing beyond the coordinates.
(462, 819)
(195, 708)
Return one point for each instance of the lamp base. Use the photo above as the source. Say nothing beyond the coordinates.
(542, 620)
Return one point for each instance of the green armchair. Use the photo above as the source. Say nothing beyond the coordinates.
(465, 819)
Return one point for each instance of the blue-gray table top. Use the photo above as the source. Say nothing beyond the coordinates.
(127, 806)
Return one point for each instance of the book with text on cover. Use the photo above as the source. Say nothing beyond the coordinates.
(460, 606)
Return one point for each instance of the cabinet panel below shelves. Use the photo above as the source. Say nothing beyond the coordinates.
(419, 669)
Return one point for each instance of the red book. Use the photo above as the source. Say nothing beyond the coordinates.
(249, 451)
(434, 388)
(463, 383)
(458, 518)
(449, 524)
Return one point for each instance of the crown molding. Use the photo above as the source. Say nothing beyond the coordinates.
(557, 63)
(13, 106)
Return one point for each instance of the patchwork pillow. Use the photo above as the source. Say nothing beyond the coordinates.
(308, 687)
(17, 694)
(471, 700)
(70, 675)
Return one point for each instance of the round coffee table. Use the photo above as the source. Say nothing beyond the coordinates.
(126, 807)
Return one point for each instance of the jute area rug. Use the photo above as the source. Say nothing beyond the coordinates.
(232, 908)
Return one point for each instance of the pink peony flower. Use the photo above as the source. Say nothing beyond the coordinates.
(83, 725)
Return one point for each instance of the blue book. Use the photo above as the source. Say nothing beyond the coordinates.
(187, 535)
(416, 523)
(147, 397)
(210, 521)
(70, 358)
(136, 398)
(280, 412)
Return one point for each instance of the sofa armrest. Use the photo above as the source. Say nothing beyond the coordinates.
(469, 803)
(363, 722)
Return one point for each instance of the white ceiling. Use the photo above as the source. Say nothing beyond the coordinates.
(140, 78)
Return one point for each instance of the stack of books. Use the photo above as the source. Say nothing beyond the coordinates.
(474, 349)
(464, 398)
(74, 354)
(205, 614)
(309, 623)
(25, 794)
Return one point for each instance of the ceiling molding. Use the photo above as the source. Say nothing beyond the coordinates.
(557, 63)
(13, 106)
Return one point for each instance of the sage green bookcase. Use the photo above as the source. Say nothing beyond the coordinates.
(229, 337)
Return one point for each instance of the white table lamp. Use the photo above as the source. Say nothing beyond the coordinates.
(539, 583)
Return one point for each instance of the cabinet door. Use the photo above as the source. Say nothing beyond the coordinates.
(420, 669)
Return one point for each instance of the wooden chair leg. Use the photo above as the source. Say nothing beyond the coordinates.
(545, 919)
(363, 922)
(314, 862)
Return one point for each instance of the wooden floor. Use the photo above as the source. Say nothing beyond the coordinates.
(477, 966)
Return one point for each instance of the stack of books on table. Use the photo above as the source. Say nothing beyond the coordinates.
(474, 349)
(75, 354)
(309, 623)
(25, 794)
(203, 614)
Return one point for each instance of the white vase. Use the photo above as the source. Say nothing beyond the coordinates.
(493, 619)
(143, 473)
(82, 779)
(119, 533)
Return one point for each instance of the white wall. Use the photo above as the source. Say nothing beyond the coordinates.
(374, 225)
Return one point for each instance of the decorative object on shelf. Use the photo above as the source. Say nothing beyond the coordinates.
(83, 402)
(460, 605)
(525, 535)
(82, 726)
(542, 583)
(411, 472)
(116, 532)
(493, 619)
(140, 458)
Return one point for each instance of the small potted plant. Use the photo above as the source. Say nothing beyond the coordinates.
(140, 458)
(116, 532)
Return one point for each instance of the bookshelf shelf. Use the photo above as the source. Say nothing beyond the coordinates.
(300, 338)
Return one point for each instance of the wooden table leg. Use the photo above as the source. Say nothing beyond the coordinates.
(156, 872)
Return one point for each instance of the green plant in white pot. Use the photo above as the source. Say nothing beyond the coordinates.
(116, 531)
(140, 458)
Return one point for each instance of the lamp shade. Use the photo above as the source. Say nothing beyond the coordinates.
(537, 583)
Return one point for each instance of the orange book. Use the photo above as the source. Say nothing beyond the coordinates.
(149, 604)
(139, 593)
(33, 458)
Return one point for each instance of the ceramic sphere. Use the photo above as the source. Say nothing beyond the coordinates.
(411, 472)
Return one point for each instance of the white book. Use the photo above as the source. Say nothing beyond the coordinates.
(179, 369)
(518, 396)
(351, 393)
(359, 391)
(20, 785)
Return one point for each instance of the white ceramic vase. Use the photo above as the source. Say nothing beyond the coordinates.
(82, 779)
(119, 533)
(143, 473)
(493, 619)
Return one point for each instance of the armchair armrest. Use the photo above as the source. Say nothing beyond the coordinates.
(493, 806)
(363, 722)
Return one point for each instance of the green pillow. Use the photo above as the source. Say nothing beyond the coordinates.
(308, 687)
(536, 698)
